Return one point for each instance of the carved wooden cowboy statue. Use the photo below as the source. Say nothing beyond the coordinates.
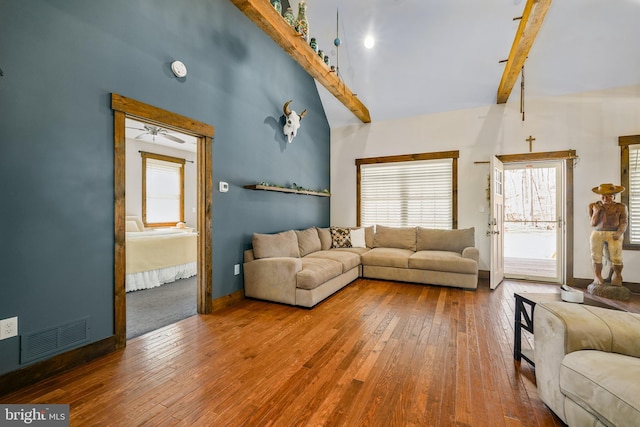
(610, 221)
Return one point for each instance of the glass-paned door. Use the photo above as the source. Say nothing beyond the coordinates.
(533, 221)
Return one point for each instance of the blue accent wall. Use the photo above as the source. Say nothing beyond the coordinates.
(61, 61)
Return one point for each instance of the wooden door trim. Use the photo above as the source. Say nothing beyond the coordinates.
(126, 107)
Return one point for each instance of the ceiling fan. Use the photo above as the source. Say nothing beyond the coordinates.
(157, 131)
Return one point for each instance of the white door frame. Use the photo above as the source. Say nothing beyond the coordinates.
(559, 220)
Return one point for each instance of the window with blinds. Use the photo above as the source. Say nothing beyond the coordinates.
(633, 194)
(162, 189)
(408, 193)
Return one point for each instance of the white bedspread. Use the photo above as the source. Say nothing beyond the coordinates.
(160, 256)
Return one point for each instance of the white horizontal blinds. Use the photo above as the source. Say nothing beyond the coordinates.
(164, 191)
(407, 194)
(634, 194)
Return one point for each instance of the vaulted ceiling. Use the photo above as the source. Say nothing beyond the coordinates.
(433, 56)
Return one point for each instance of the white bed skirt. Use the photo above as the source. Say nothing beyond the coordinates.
(154, 278)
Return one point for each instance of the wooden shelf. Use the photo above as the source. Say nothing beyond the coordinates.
(286, 190)
(263, 14)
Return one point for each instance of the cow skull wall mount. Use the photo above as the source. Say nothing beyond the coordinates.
(291, 121)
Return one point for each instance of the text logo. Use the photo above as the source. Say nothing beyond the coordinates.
(36, 415)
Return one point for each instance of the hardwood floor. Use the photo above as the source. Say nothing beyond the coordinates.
(376, 353)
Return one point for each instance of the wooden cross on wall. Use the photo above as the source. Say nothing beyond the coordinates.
(530, 140)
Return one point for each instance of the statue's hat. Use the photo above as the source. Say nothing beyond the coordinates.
(607, 189)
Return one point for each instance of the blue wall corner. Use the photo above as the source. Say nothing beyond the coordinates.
(61, 61)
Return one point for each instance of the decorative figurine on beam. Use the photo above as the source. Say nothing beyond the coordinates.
(609, 219)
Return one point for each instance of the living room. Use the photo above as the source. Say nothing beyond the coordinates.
(62, 61)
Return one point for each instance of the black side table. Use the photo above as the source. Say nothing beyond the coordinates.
(525, 305)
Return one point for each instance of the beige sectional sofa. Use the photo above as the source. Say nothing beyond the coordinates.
(303, 267)
(423, 255)
(588, 363)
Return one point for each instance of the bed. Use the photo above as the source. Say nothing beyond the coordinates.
(156, 257)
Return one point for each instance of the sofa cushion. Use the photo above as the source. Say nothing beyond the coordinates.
(340, 237)
(316, 271)
(325, 238)
(395, 237)
(606, 384)
(358, 251)
(447, 261)
(430, 239)
(308, 241)
(369, 236)
(387, 257)
(283, 244)
(348, 259)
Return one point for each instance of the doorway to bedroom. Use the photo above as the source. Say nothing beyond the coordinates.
(163, 224)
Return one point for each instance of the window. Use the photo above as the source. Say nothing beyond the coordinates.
(630, 180)
(162, 190)
(407, 191)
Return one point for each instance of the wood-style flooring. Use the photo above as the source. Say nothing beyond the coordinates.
(377, 353)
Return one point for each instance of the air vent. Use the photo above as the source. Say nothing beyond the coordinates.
(40, 344)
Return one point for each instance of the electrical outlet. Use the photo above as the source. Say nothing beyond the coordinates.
(236, 269)
(8, 328)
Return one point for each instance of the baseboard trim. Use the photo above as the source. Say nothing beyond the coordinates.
(31, 374)
(576, 281)
(227, 300)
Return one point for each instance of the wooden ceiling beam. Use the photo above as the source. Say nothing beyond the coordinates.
(532, 18)
(263, 14)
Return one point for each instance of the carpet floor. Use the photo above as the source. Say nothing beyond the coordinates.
(151, 309)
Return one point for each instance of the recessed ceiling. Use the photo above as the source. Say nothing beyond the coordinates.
(433, 56)
(152, 134)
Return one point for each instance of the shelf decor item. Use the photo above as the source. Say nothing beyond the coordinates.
(302, 23)
(294, 189)
(289, 18)
(314, 44)
(277, 5)
(261, 13)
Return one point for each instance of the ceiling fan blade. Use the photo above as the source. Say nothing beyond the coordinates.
(173, 138)
(141, 135)
(129, 127)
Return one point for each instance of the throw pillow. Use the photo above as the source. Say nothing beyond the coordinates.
(283, 244)
(131, 226)
(308, 241)
(357, 238)
(340, 237)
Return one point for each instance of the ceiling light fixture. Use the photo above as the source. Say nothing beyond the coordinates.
(369, 42)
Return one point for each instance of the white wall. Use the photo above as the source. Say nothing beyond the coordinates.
(134, 178)
(590, 123)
